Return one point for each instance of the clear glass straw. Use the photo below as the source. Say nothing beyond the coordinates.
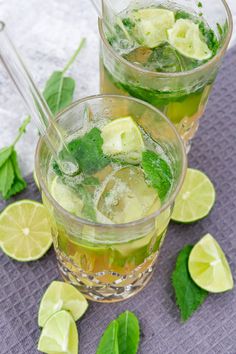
(36, 104)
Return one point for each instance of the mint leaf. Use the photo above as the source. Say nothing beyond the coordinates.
(19, 183)
(157, 172)
(88, 210)
(5, 153)
(188, 295)
(88, 152)
(91, 181)
(109, 342)
(6, 177)
(59, 91)
(128, 333)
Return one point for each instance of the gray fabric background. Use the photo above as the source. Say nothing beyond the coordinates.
(213, 328)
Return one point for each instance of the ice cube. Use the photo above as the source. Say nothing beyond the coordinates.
(127, 197)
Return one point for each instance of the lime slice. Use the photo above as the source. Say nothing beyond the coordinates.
(196, 198)
(25, 233)
(59, 335)
(122, 139)
(61, 296)
(66, 197)
(152, 25)
(208, 266)
(185, 37)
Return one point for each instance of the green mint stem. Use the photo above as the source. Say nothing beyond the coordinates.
(22, 130)
(74, 56)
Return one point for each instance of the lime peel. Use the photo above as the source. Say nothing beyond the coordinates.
(61, 296)
(25, 232)
(196, 198)
(209, 267)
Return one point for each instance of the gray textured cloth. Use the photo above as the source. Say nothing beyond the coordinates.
(213, 328)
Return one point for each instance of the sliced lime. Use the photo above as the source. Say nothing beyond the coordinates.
(25, 233)
(59, 335)
(208, 266)
(152, 25)
(61, 296)
(122, 139)
(66, 197)
(196, 198)
(185, 37)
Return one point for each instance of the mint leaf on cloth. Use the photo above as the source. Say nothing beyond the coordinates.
(6, 177)
(128, 333)
(188, 295)
(19, 183)
(109, 342)
(88, 152)
(11, 180)
(157, 172)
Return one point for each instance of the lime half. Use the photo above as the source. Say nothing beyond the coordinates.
(185, 36)
(208, 266)
(152, 25)
(61, 296)
(66, 197)
(196, 198)
(59, 335)
(25, 233)
(122, 139)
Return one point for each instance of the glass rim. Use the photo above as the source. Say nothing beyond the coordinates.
(213, 60)
(75, 218)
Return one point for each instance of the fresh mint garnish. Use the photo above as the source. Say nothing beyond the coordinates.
(109, 341)
(59, 89)
(11, 180)
(157, 172)
(88, 210)
(88, 152)
(128, 333)
(209, 37)
(188, 295)
(121, 336)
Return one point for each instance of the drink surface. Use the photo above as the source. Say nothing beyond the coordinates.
(161, 39)
(124, 174)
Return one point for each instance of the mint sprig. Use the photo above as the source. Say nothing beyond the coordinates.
(188, 295)
(121, 336)
(11, 180)
(59, 90)
(157, 172)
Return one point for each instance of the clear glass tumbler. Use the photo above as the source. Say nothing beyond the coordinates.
(181, 96)
(110, 262)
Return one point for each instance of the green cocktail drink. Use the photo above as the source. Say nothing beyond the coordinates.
(167, 55)
(110, 220)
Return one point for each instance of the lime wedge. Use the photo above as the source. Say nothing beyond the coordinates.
(185, 37)
(61, 296)
(152, 25)
(196, 198)
(25, 233)
(208, 266)
(59, 335)
(122, 139)
(66, 197)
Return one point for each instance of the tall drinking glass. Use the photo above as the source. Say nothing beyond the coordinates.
(181, 96)
(110, 262)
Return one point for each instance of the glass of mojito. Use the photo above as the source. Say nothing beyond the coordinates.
(109, 221)
(165, 53)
